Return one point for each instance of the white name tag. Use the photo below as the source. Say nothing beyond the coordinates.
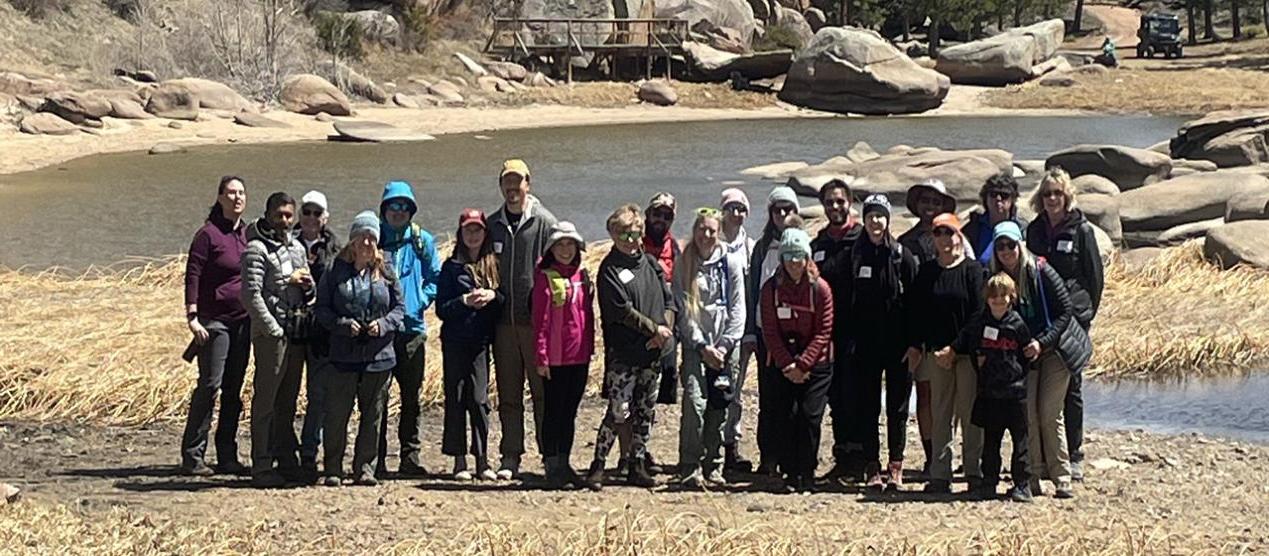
(991, 333)
(625, 276)
(818, 256)
(498, 247)
(784, 313)
(285, 265)
(865, 272)
(1065, 246)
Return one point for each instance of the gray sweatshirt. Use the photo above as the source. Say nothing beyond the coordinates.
(720, 314)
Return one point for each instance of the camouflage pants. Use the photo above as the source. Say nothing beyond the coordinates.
(632, 396)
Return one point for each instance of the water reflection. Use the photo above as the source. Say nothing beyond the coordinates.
(1232, 407)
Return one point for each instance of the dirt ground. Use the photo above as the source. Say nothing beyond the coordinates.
(1145, 493)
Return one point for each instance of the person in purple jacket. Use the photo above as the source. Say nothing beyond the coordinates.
(221, 331)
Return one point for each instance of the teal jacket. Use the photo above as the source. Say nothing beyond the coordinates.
(412, 252)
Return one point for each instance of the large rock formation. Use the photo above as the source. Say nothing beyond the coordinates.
(557, 33)
(1248, 205)
(76, 107)
(1185, 200)
(1014, 56)
(1129, 168)
(727, 14)
(1239, 243)
(1230, 138)
(46, 123)
(209, 94)
(309, 94)
(658, 92)
(1103, 211)
(964, 172)
(711, 64)
(856, 70)
(375, 132)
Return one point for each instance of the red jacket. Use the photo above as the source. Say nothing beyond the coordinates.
(665, 253)
(797, 321)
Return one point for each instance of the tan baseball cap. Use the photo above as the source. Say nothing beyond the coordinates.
(514, 166)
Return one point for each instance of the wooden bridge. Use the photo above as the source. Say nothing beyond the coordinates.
(616, 39)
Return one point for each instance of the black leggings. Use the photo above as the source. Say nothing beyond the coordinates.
(864, 390)
(797, 411)
(559, 422)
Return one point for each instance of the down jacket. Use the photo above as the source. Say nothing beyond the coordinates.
(267, 292)
(1050, 315)
(1071, 249)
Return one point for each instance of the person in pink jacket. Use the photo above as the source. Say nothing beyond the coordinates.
(564, 325)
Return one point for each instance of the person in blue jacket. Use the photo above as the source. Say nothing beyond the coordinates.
(412, 252)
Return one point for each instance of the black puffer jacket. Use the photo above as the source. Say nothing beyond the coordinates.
(833, 257)
(877, 316)
(1002, 375)
(1072, 251)
(1049, 314)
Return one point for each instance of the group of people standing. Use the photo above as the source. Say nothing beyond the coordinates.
(988, 320)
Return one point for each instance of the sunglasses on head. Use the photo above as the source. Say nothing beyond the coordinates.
(708, 212)
(313, 212)
(942, 231)
(633, 235)
(399, 206)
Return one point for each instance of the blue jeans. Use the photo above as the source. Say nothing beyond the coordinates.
(315, 413)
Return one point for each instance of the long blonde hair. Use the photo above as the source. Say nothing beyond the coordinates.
(1027, 271)
(377, 265)
(689, 263)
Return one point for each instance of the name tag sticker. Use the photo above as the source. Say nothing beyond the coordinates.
(1066, 246)
(625, 276)
(991, 333)
(865, 272)
(498, 247)
(818, 256)
(784, 313)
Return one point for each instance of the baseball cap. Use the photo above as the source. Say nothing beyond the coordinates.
(514, 166)
(470, 216)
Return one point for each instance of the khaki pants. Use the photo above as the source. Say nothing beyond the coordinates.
(514, 361)
(952, 393)
(279, 370)
(1046, 395)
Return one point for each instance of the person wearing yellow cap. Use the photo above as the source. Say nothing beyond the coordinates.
(520, 230)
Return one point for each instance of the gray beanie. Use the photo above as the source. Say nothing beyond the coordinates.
(795, 244)
(365, 221)
(783, 194)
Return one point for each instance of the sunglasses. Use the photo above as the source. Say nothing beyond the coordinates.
(708, 212)
(943, 232)
(736, 208)
(1006, 244)
(313, 212)
(1001, 195)
(633, 235)
(663, 214)
(1051, 194)
(399, 206)
(783, 209)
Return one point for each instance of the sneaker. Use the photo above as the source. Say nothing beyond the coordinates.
(623, 467)
(1063, 490)
(510, 469)
(715, 478)
(232, 467)
(366, 479)
(268, 479)
(805, 483)
(938, 486)
(332, 481)
(653, 467)
(692, 480)
(463, 475)
(639, 475)
(734, 462)
(487, 474)
(874, 483)
(197, 469)
(411, 470)
(595, 476)
(1020, 493)
(1077, 472)
(895, 476)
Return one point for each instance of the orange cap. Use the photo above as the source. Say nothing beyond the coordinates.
(949, 220)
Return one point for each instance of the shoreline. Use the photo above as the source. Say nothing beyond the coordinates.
(24, 152)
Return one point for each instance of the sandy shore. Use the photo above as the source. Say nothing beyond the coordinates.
(23, 152)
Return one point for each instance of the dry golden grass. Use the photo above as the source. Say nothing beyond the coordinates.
(45, 529)
(104, 347)
(1178, 314)
(1187, 92)
(617, 95)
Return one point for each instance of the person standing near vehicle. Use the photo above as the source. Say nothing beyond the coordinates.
(519, 230)
(221, 331)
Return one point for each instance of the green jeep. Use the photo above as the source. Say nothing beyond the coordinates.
(1159, 33)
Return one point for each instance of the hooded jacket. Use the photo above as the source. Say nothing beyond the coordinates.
(459, 323)
(881, 275)
(1049, 313)
(267, 292)
(979, 232)
(341, 301)
(720, 315)
(1003, 373)
(518, 252)
(634, 299)
(1071, 249)
(833, 257)
(797, 321)
(563, 320)
(412, 251)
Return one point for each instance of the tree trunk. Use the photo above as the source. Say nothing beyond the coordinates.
(1264, 13)
(1234, 20)
(1017, 13)
(932, 34)
(1191, 30)
(907, 22)
(1207, 19)
(844, 20)
(1079, 16)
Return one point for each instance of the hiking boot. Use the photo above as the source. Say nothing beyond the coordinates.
(804, 483)
(843, 472)
(983, 491)
(623, 467)
(594, 479)
(1036, 489)
(197, 469)
(332, 481)
(411, 470)
(874, 482)
(895, 476)
(734, 462)
(571, 478)
(1020, 493)
(366, 479)
(692, 480)
(292, 474)
(268, 479)
(232, 467)
(715, 478)
(639, 475)
(653, 467)
(1063, 490)
(1077, 472)
(938, 486)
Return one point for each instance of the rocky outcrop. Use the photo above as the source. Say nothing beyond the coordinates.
(728, 14)
(18, 84)
(510, 71)
(349, 80)
(1094, 184)
(309, 94)
(446, 91)
(711, 64)
(249, 119)
(46, 123)
(658, 92)
(210, 94)
(1127, 167)
(555, 34)
(1185, 199)
(1248, 205)
(177, 103)
(964, 172)
(1239, 243)
(1014, 56)
(376, 26)
(77, 107)
(1229, 138)
(375, 132)
(792, 21)
(1103, 211)
(846, 69)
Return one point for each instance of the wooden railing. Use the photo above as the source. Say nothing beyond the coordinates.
(579, 36)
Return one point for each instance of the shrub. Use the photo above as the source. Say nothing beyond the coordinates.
(338, 35)
(41, 8)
